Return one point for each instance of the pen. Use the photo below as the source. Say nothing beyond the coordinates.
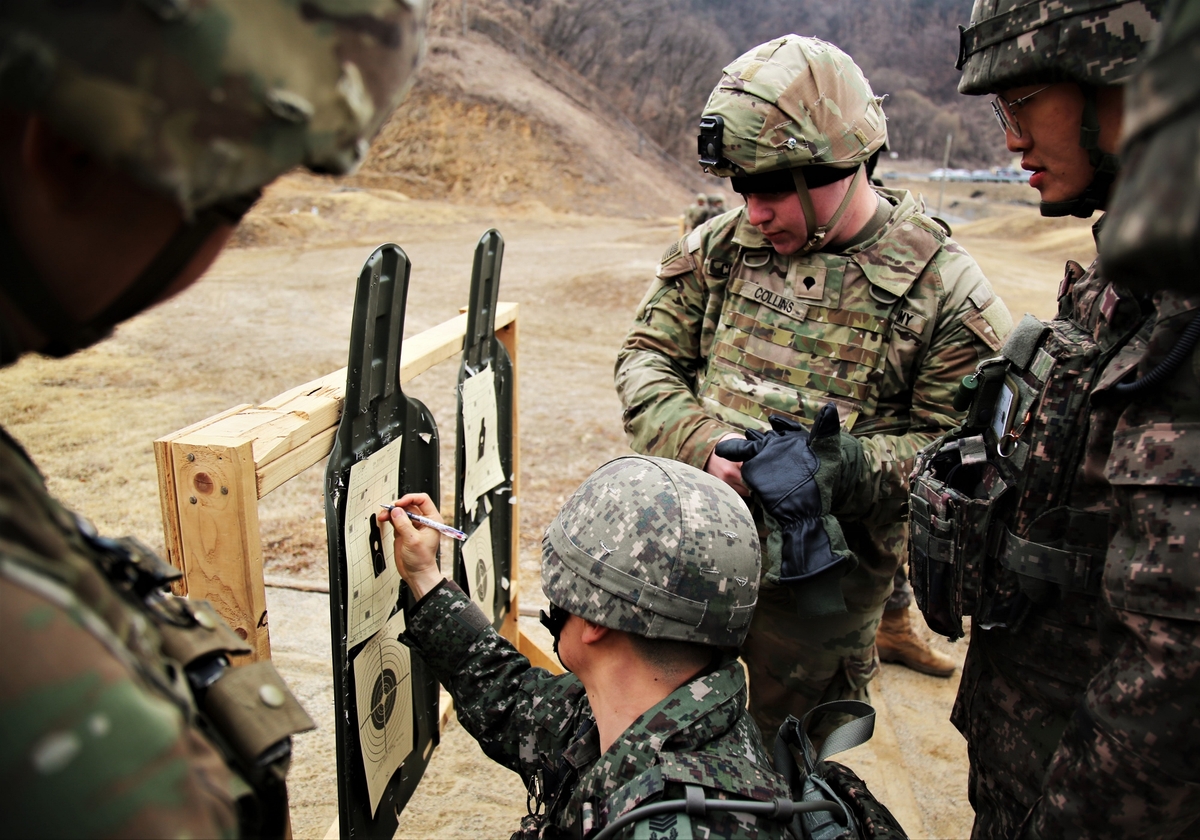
(453, 533)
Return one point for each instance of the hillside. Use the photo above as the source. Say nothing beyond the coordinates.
(485, 123)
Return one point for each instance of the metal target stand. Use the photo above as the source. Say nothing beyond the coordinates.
(482, 351)
(376, 413)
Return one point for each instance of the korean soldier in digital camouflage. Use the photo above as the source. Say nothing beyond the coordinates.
(133, 136)
(1061, 516)
(651, 569)
(1147, 697)
(820, 289)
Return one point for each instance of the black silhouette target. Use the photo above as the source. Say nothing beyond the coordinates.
(385, 697)
(481, 579)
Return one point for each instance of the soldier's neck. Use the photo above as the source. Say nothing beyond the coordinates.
(620, 688)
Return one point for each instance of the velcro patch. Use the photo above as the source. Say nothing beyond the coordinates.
(671, 253)
(997, 314)
(675, 261)
(807, 281)
(716, 268)
(772, 299)
(911, 321)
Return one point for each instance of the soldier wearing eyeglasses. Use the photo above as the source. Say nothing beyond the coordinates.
(1022, 519)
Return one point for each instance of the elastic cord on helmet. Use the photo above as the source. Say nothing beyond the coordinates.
(780, 180)
(1105, 166)
(817, 234)
(27, 290)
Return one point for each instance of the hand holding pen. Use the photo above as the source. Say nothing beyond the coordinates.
(417, 526)
(440, 527)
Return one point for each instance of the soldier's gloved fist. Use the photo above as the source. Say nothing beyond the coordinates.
(794, 473)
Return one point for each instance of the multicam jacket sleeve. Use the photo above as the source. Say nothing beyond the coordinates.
(955, 320)
(1128, 764)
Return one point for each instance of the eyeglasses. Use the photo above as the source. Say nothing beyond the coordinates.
(1006, 112)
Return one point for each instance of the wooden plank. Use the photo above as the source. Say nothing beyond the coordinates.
(508, 337)
(219, 534)
(295, 462)
(538, 657)
(293, 430)
(168, 504)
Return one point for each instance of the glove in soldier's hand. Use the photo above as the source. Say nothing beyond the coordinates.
(794, 474)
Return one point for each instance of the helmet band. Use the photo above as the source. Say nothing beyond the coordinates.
(781, 180)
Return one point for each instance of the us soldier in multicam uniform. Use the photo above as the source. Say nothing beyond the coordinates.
(651, 569)
(133, 136)
(696, 214)
(1061, 515)
(820, 289)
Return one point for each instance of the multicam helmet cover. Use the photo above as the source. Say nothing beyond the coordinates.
(206, 100)
(1011, 43)
(792, 102)
(1151, 238)
(656, 548)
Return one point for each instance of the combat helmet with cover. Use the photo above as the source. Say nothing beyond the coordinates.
(1013, 43)
(655, 548)
(793, 113)
(205, 102)
(1151, 239)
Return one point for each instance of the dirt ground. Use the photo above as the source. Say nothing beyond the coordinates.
(271, 315)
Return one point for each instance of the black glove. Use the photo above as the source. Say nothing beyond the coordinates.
(794, 474)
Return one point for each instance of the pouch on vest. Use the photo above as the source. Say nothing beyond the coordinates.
(813, 778)
(969, 556)
(951, 506)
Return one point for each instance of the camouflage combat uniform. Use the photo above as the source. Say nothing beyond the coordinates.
(1066, 516)
(541, 727)
(732, 332)
(1128, 763)
(101, 731)
(695, 216)
(119, 713)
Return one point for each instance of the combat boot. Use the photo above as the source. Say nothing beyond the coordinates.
(898, 641)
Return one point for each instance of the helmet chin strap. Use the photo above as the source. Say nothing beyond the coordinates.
(817, 233)
(1095, 195)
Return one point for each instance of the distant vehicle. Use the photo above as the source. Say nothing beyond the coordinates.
(950, 174)
(1004, 175)
(1012, 174)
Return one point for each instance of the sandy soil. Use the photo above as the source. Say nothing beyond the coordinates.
(270, 316)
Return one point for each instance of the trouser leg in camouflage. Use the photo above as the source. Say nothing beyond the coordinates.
(796, 662)
(1018, 692)
(902, 594)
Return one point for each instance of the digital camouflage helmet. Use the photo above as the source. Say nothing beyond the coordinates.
(205, 102)
(1151, 239)
(1013, 43)
(794, 113)
(656, 548)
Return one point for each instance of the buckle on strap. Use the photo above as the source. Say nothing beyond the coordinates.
(1074, 570)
